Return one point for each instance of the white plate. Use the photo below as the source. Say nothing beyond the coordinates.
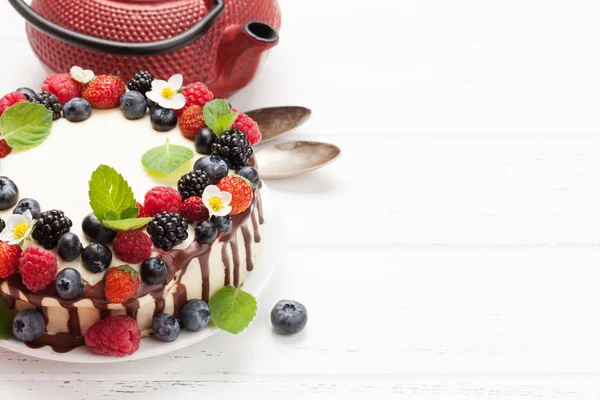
(149, 347)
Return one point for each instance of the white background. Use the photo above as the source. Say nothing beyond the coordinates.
(452, 251)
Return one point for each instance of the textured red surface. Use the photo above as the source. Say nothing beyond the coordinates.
(131, 21)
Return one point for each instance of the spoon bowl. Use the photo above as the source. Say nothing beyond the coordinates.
(275, 121)
(293, 158)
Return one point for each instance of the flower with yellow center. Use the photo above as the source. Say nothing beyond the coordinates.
(81, 75)
(18, 228)
(168, 93)
(216, 201)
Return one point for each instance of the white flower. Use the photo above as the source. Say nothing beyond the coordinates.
(81, 75)
(216, 201)
(168, 94)
(18, 228)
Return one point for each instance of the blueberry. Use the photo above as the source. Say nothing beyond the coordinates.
(288, 317)
(214, 167)
(152, 105)
(251, 174)
(69, 284)
(154, 271)
(96, 257)
(2, 224)
(165, 327)
(204, 140)
(134, 105)
(9, 193)
(163, 120)
(195, 315)
(223, 224)
(28, 204)
(28, 93)
(206, 232)
(95, 231)
(28, 325)
(69, 246)
(77, 110)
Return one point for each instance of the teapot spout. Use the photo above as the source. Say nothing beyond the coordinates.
(240, 54)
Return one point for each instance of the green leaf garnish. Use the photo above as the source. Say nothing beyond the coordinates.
(131, 212)
(25, 125)
(109, 193)
(129, 224)
(215, 110)
(166, 158)
(224, 123)
(111, 216)
(6, 320)
(232, 309)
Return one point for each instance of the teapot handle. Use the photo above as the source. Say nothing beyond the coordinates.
(114, 47)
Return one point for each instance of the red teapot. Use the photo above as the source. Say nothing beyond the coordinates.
(218, 42)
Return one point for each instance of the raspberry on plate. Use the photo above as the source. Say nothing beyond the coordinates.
(241, 193)
(9, 259)
(5, 149)
(104, 91)
(196, 93)
(38, 268)
(191, 121)
(132, 246)
(63, 86)
(162, 198)
(193, 210)
(247, 125)
(121, 283)
(117, 336)
(10, 100)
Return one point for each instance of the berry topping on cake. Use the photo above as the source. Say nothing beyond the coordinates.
(10, 100)
(104, 92)
(50, 226)
(5, 149)
(195, 315)
(205, 232)
(49, 101)
(167, 230)
(95, 231)
(141, 82)
(28, 204)
(288, 317)
(162, 198)
(204, 139)
(193, 210)
(192, 184)
(9, 193)
(197, 94)
(132, 246)
(69, 284)
(9, 259)
(28, 325)
(27, 92)
(2, 225)
(216, 201)
(247, 125)
(163, 120)
(134, 105)
(213, 166)
(120, 283)
(117, 336)
(191, 121)
(38, 268)
(233, 147)
(241, 193)
(77, 110)
(154, 271)
(96, 257)
(223, 224)
(63, 86)
(165, 327)
(69, 247)
(141, 210)
(251, 174)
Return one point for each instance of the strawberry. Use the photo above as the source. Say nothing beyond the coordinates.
(9, 259)
(104, 91)
(191, 121)
(121, 283)
(241, 192)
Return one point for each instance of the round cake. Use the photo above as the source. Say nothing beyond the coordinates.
(110, 181)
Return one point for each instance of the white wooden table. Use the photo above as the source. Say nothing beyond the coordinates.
(453, 250)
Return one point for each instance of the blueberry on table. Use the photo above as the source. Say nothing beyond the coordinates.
(223, 224)
(69, 284)
(165, 327)
(28, 204)
(251, 174)
(288, 317)
(28, 325)
(77, 110)
(134, 105)
(154, 271)
(96, 257)
(9, 193)
(69, 246)
(204, 140)
(206, 232)
(163, 120)
(195, 315)
(95, 231)
(213, 166)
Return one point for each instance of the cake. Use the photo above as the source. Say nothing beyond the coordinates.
(60, 172)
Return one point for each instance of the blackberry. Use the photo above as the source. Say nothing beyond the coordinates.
(50, 226)
(233, 146)
(141, 82)
(167, 230)
(49, 101)
(192, 184)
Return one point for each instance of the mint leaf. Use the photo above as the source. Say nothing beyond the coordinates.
(232, 309)
(111, 216)
(224, 123)
(109, 193)
(214, 110)
(166, 158)
(25, 125)
(6, 320)
(131, 212)
(129, 224)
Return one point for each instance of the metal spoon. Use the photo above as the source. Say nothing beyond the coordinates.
(275, 121)
(292, 158)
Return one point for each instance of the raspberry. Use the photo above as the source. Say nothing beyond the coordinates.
(132, 246)
(38, 267)
(120, 284)
(162, 198)
(63, 87)
(5, 149)
(195, 93)
(240, 190)
(10, 100)
(9, 259)
(191, 121)
(104, 91)
(142, 211)
(193, 210)
(247, 125)
(117, 336)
